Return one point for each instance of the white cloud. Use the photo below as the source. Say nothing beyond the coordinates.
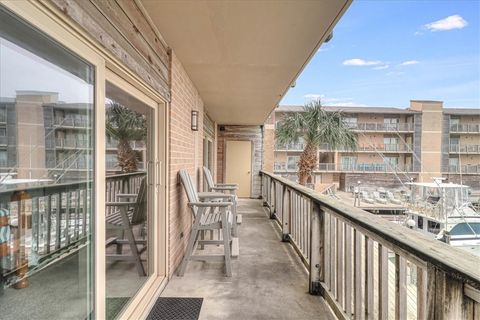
(361, 63)
(449, 23)
(409, 62)
(381, 67)
(395, 73)
(313, 96)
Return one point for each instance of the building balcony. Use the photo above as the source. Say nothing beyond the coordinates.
(67, 143)
(464, 169)
(464, 148)
(289, 147)
(465, 128)
(72, 122)
(381, 127)
(281, 167)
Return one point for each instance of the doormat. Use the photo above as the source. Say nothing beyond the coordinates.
(176, 309)
(114, 306)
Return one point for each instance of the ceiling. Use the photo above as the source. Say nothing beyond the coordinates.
(243, 56)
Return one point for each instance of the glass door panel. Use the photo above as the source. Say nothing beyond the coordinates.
(46, 176)
(130, 156)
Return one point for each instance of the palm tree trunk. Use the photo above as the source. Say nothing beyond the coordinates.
(127, 159)
(307, 163)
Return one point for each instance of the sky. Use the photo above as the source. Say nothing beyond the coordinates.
(386, 53)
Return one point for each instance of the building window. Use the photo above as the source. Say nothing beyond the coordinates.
(292, 162)
(390, 143)
(350, 121)
(391, 162)
(348, 162)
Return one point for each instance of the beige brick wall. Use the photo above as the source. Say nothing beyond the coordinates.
(185, 153)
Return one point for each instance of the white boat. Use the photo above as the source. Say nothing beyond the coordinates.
(443, 211)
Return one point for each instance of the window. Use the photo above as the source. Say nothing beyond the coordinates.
(350, 121)
(391, 162)
(292, 162)
(50, 248)
(391, 123)
(349, 162)
(390, 143)
(466, 228)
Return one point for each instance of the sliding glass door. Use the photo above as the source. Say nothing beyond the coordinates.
(46, 176)
(130, 194)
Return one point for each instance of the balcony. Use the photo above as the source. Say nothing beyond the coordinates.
(3, 140)
(69, 143)
(356, 167)
(381, 127)
(386, 148)
(464, 169)
(269, 279)
(289, 147)
(366, 266)
(464, 148)
(465, 128)
(72, 122)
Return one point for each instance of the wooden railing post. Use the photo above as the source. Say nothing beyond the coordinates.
(286, 212)
(317, 247)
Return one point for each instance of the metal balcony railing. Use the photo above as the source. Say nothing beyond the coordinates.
(464, 148)
(355, 167)
(373, 126)
(464, 169)
(69, 121)
(354, 257)
(465, 128)
(291, 146)
(70, 143)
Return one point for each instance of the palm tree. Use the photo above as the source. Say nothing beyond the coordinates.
(315, 126)
(125, 126)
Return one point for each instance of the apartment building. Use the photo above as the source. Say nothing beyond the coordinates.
(43, 138)
(394, 146)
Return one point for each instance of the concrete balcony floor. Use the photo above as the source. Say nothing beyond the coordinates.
(269, 281)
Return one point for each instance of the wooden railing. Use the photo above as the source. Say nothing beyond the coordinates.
(367, 267)
(45, 222)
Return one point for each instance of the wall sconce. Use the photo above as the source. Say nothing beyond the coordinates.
(194, 120)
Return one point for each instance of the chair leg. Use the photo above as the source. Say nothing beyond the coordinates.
(226, 243)
(121, 236)
(191, 243)
(202, 237)
(131, 241)
(234, 219)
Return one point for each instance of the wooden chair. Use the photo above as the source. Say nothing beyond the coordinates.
(128, 214)
(231, 188)
(207, 215)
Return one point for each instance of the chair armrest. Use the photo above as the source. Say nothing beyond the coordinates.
(126, 195)
(209, 204)
(118, 204)
(215, 195)
(226, 185)
(224, 188)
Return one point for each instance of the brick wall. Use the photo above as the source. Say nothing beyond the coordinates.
(185, 153)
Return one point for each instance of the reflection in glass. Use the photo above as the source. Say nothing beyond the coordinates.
(128, 132)
(46, 174)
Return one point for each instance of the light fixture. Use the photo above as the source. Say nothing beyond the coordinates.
(194, 123)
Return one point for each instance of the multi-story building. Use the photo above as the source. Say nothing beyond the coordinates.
(394, 146)
(43, 138)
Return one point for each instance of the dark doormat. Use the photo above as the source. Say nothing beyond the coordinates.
(114, 306)
(176, 309)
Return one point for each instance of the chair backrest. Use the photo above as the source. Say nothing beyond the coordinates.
(208, 178)
(188, 186)
(139, 214)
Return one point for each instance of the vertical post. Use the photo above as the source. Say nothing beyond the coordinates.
(348, 270)
(421, 293)
(286, 214)
(400, 288)
(317, 247)
(383, 282)
(357, 275)
(369, 311)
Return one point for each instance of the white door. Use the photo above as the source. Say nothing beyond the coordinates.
(239, 166)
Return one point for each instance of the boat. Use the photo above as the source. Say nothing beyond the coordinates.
(443, 211)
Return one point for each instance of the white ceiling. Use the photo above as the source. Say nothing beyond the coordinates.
(241, 55)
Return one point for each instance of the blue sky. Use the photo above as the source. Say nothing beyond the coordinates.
(386, 53)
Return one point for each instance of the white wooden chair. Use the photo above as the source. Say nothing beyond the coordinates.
(229, 188)
(208, 215)
(378, 198)
(127, 215)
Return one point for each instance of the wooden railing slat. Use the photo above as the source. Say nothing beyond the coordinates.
(382, 282)
(400, 288)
